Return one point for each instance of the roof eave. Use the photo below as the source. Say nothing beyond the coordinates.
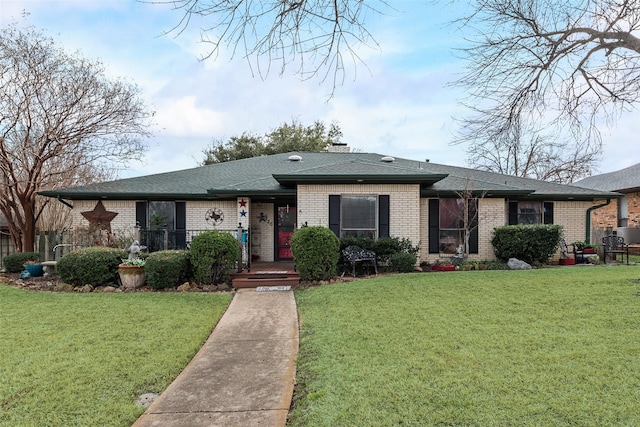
(295, 179)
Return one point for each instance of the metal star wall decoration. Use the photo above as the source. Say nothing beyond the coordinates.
(99, 218)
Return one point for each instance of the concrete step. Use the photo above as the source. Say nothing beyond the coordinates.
(264, 278)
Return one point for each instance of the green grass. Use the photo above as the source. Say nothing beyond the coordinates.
(83, 359)
(549, 347)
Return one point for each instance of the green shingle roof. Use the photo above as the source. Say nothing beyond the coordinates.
(277, 175)
(625, 180)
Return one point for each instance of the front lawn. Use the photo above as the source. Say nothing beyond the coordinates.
(547, 347)
(83, 359)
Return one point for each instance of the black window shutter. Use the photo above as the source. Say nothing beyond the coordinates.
(548, 212)
(334, 214)
(181, 225)
(473, 226)
(434, 226)
(383, 215)
(513, 213)
(141, 214)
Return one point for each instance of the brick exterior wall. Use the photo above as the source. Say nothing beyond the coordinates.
(404, 205)
(125, 221)
(408, 216)
(607, 216)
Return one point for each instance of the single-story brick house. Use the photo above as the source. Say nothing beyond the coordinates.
(364, 194)
(623, 214)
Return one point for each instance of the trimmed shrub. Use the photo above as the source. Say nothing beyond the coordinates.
(96, 266)
(213, 255)
(167, 269)
(529, 243)
(384, 247)
(363, 242)
(316, 251)
(14, 263)
(403, 262)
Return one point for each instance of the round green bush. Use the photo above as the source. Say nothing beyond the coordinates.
(403, 262)
(167, 269)
(96, 266)
(316, 251)
(213, 255)
(14, 263)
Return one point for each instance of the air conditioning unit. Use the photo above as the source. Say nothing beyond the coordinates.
(629, 234)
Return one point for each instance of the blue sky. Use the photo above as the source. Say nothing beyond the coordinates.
(399, 104)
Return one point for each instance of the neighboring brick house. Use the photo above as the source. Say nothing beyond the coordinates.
(623, 214)
(353, 194)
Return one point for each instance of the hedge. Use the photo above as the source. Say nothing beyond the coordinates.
(529, 243)
(96, 266)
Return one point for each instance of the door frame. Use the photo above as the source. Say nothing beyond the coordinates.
(276, 228)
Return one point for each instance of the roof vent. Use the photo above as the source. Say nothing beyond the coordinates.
(388, 159)
(295, 158)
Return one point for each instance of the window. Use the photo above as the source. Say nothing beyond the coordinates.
(359, 215)
(451, 225)
(162, 224)
(161, 215)
(447, 230)
(528, 212)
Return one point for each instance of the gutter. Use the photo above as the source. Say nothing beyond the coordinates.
(69, 205)
(587, 235)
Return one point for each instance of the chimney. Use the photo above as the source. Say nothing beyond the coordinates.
(338, 147)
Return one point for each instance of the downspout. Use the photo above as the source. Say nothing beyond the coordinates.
(69, 205)
(587, 233)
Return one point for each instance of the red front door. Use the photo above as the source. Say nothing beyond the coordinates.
(285, 226)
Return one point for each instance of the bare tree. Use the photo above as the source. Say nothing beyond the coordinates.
(570, 65)
(520, 150)
(61, 121)
(317, 37)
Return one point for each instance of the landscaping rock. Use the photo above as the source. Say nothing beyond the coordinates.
(85, 289)
(185, 287)
(108, 289)
(63, 287)
(516, 264)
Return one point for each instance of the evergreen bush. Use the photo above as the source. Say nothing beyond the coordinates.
(403, 262)
(213, 255)
(316, 251)
(96, 266)
(529, 243)
(167, 269)
(14, 263)
(363, 242)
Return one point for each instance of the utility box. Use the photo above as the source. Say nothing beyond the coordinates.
(629, 234)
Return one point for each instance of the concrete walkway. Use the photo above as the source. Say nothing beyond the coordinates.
(244, 373)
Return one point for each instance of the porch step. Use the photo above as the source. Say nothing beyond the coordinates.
(264, 278)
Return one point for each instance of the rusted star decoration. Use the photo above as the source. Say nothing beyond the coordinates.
(99, 218)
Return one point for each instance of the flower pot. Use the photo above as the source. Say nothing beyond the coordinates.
(567, 261)
(588, 251)
(35, 270)
(132, 276)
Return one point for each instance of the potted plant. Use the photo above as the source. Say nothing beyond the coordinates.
(586, 248)
(34, 268)
(132, 274)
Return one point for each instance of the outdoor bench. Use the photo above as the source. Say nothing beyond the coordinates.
(354, 254)
(614, 245)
